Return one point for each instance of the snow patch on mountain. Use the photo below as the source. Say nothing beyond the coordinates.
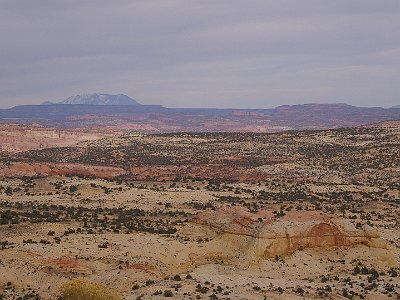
(97, 99)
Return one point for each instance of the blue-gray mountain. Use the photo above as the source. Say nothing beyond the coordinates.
(120, 111)
(97, 99)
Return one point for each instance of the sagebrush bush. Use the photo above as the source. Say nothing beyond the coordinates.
(82, 289)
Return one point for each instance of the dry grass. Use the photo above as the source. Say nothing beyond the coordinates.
(82, 289)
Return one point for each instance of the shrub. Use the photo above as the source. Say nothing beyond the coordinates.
(168, 293)
(82, 289)
(149, 282)
(73, 188)
(177, 277)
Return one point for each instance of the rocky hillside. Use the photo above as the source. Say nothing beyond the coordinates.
(261, 235)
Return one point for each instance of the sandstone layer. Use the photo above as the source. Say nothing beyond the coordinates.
(15, 138)
(263, 235)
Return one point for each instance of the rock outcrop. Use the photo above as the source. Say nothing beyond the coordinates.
(262, 235)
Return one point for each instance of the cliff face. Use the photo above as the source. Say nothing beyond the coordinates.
(263, 236)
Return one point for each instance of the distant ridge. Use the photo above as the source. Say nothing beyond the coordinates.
(396, 106)
(105, 110)
(97, 99)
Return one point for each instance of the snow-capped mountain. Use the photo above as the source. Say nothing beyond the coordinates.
(97, 99)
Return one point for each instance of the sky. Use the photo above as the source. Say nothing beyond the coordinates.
(202, 53)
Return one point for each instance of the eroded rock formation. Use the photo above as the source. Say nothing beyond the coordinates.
(264, 236)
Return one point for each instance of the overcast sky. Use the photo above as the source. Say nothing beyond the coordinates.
(202, 53)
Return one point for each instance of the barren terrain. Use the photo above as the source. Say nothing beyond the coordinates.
(292, 215)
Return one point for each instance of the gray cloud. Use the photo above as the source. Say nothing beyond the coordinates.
(225, 53)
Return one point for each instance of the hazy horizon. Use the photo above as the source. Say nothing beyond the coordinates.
(225, 54)
(200, 107)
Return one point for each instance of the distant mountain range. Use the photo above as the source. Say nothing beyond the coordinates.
(125, 114)
(396, 106)
(96, 99)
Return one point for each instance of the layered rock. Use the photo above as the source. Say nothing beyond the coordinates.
(264, 236)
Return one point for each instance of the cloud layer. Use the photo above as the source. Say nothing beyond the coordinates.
(189, 53)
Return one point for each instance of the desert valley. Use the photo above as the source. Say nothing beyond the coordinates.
(181, 149)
